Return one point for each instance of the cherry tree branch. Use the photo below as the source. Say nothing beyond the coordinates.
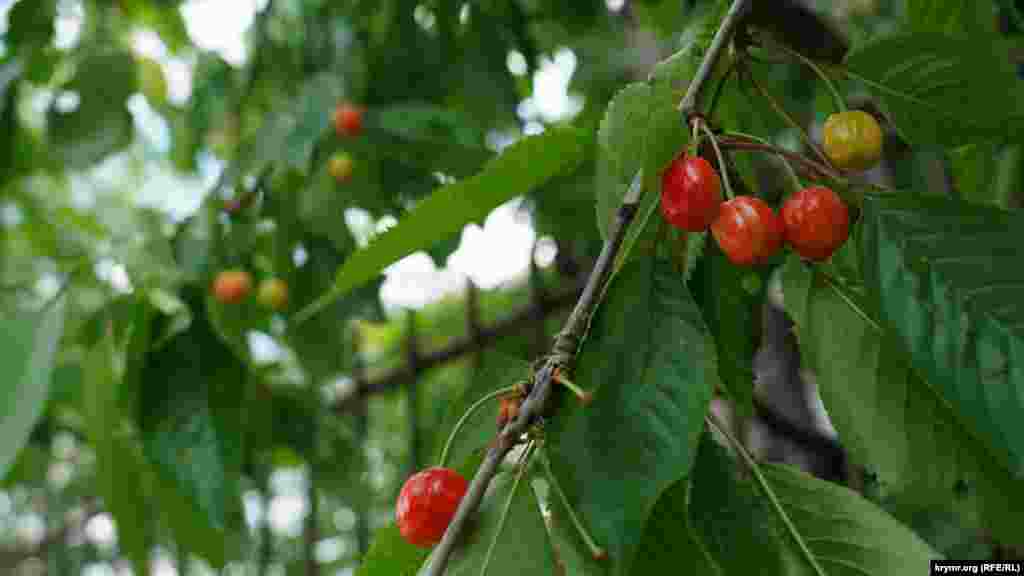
(568, 340)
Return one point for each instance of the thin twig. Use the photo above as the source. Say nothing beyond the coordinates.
(781, 111)
(836, 96)
(389, 380)
(785, 161)
(721, 159)
(820, 169)
(568, 340)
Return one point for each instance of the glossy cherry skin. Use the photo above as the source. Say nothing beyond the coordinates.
(747, 230)
(691, 193)
(816, 222)
(232, 286)
(348, 119)
(427, 504)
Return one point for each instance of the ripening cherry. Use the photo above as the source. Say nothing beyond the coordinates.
(852, 140)
(273, 294)
(340, 167)
(691, 193)
(747, 230)
(427, 504)
(232, 286)
(348, 119)
(816, 222)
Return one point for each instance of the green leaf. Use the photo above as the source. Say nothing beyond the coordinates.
(663, 16)
(484, 87)
(731, 298)
(508, 535)
(946, 277)
(730, 517)
(940, 89)
(621, 142)
(649, 363)
(191, 430)
(982, 171)
(952, 17)
(642, 128)
(290, 131)
(152, 82)
(430, 137)
(321, 342)
(31, 467)
(889, 419)
(28, 345)
(100, 124)
(390, 554)
(845, 533)
(520, 168)
(117, 479)
(497, 371)
(194, 240)
(10, 129)
(572, 556)
(163, 17)
(712, 520)
(30, 24)
(669, 541)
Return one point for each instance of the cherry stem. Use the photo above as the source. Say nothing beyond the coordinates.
(712, 420)
(597, 552)
(840, 289)
(821, 170)
(785, 161)
(584, 396)
(790, 120)
(721, 159)
(839, 100)
(469, 412)
(508, 506)
(694, 139)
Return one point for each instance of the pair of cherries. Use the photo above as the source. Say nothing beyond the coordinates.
(814, 221)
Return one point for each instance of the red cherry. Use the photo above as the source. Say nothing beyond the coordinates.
(232, 286)
(427, 504)
(348, 119)
(691, 193)
(747, 230)
(816, 222)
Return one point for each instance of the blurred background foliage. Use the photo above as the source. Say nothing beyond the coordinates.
(124, 129)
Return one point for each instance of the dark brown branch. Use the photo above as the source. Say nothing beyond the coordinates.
(484, 337)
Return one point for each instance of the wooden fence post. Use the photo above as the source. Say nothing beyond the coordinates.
(411, 394)
(473, 326)
(538, 304)
(361, 413)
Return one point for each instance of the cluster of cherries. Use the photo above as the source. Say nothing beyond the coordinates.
(348, 122)
(814, 221)
(234, 286)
